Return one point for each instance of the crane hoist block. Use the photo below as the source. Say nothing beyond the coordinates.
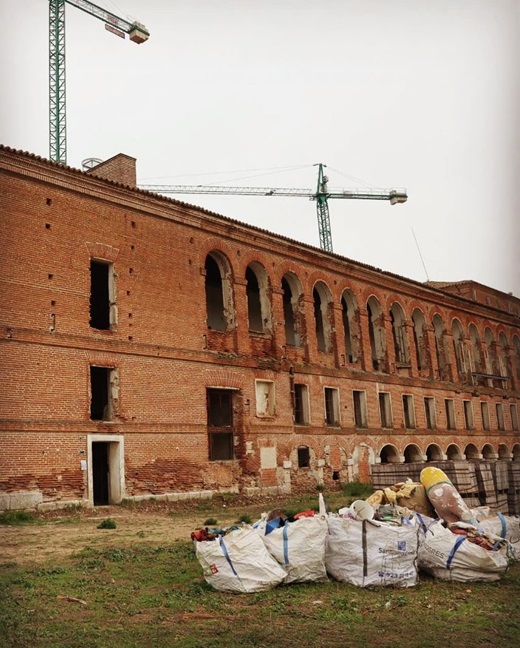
(138, 34)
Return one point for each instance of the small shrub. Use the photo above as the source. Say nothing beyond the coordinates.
(210, 522)
(107, 523)
(245, 518)
(17, 517)
(320, 488)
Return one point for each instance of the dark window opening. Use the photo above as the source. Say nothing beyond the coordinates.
(429, 411)
(318, 318)
(99, 295)
(396, 330)
(100, 409)
(450, 414)
(408, 411)
(220, 424)
(304, 457)
(254, 306)
(372, 336)
(300, 405)
(291, 335)
(360, 418)
(384, 409)
(331, 406)
(335, 475)
(347, 331)
(216, 318)
(417, 344)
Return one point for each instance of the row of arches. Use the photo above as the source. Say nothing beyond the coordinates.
(412, 453)
(394, 340)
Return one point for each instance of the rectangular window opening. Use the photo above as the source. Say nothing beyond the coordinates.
(514, 417)
(360, 408)
(500, 416)
(331, 406)
(102, 307)
(220, 424)
(264, 390)
(103, 393)
(301, 404)
(304, 457)
(450, 413)
(468, 415)
(484, 411)
(385, 411)
(429, 411)
(408, 411)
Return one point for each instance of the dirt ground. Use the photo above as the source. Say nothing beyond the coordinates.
(61, 533)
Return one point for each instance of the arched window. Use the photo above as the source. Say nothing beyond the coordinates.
(322, 301)
(488, 452)
(453, 453)
(491, 355)
(419, 339)
(516, 452)
(258, 304)
(402, 354)
(434, 453)
(503, 356)
(471, 451)
(440, 348)
(389, 454)
(219, 300)
(377, 334)
(503, 452)
(293, 317)
(412, 454)
(350, 318)
(516, 347)
(476, 352)
(459, 348)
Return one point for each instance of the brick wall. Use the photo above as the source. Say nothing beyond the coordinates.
(55, 220)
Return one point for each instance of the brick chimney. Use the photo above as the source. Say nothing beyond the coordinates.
(120, 168)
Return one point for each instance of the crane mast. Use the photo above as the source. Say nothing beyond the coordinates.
(57, 95)
(321, 196)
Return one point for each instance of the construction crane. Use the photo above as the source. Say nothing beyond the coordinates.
(57, 106)
(321, 196)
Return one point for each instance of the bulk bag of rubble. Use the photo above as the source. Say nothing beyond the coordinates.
(504, 526)
(449, 556)
(299, 547)
(238, 562)
(369, 553)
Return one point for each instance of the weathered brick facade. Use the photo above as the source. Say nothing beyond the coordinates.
(228, 358)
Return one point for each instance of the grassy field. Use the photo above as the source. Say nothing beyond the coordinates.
(129, 588)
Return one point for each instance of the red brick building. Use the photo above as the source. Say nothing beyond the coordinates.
(153, 348)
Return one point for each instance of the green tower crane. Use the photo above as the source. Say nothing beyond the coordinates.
(321, 196)
(57, 105)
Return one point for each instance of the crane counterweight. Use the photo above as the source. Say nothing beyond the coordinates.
(57, 104)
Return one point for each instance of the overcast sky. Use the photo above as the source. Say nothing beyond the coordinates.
(421, 94)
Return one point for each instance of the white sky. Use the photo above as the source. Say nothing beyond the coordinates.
(388, 93)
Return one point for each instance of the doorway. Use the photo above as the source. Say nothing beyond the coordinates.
(100, 474)
(106, 473)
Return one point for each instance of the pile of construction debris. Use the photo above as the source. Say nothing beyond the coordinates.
(385, 540)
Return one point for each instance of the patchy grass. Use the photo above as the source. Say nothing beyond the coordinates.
(155, 596)
(130, 592)
(357, 490)
(17, 517)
